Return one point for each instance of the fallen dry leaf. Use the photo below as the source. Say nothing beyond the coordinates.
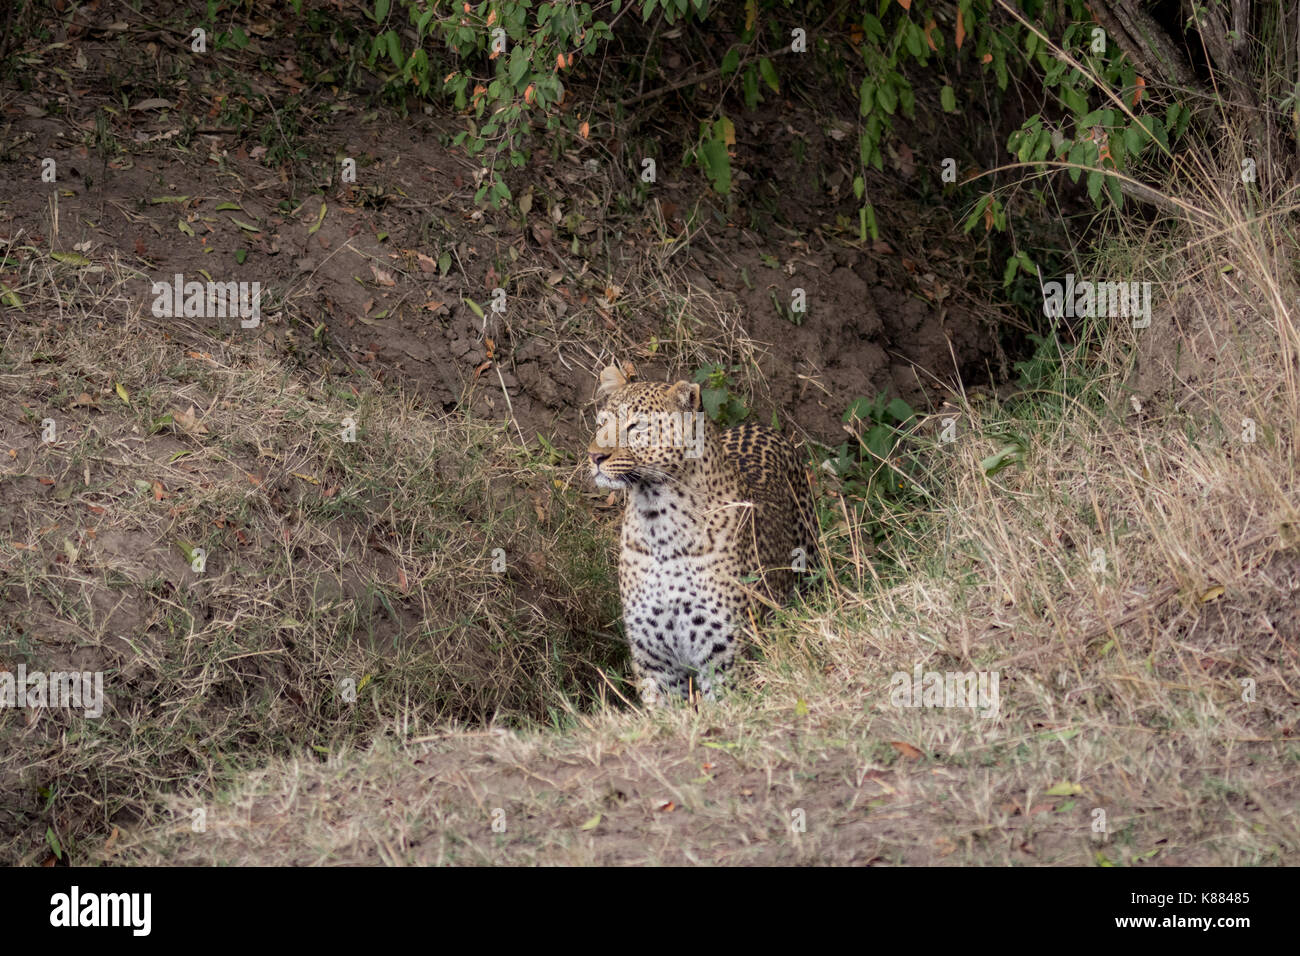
(188, 422)
(907, 750)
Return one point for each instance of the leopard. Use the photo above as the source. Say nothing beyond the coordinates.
(718, 527)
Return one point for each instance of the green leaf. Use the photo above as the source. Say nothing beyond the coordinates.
(887, 97)
(1118, 153)
(713, 399)
(1063, 789)
(914, 40)
(1026, 148)
(518, 65)
(1000, 66)
(899, 410)
(880, 440)
(1077, 154)
(1042, 146)
(1184, 117)
(948, 99)
(1074, 101)
(749, 87)
(769, 74)
(860, 409)
(71, 258)
(731, 62)
(1116, 194)
(394, 48)
(1133, 139)
(906, 99)
(867, 96)
(1009, 454)
(1158, 131)
(713, 154)
(978, 213)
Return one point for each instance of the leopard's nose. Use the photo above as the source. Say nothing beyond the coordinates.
(597, 457)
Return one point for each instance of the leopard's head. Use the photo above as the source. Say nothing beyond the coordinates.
(647, 432)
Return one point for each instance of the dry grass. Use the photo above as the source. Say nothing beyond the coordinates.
(1134, 581)
(327, 561)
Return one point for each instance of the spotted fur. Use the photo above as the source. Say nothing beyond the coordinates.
(706, 509)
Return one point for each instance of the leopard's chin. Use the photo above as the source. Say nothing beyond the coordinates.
(602, 480)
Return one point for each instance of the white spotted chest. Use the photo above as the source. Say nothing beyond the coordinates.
(675, 620)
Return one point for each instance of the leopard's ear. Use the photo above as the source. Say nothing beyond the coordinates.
(611, 380)
(686, 395)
